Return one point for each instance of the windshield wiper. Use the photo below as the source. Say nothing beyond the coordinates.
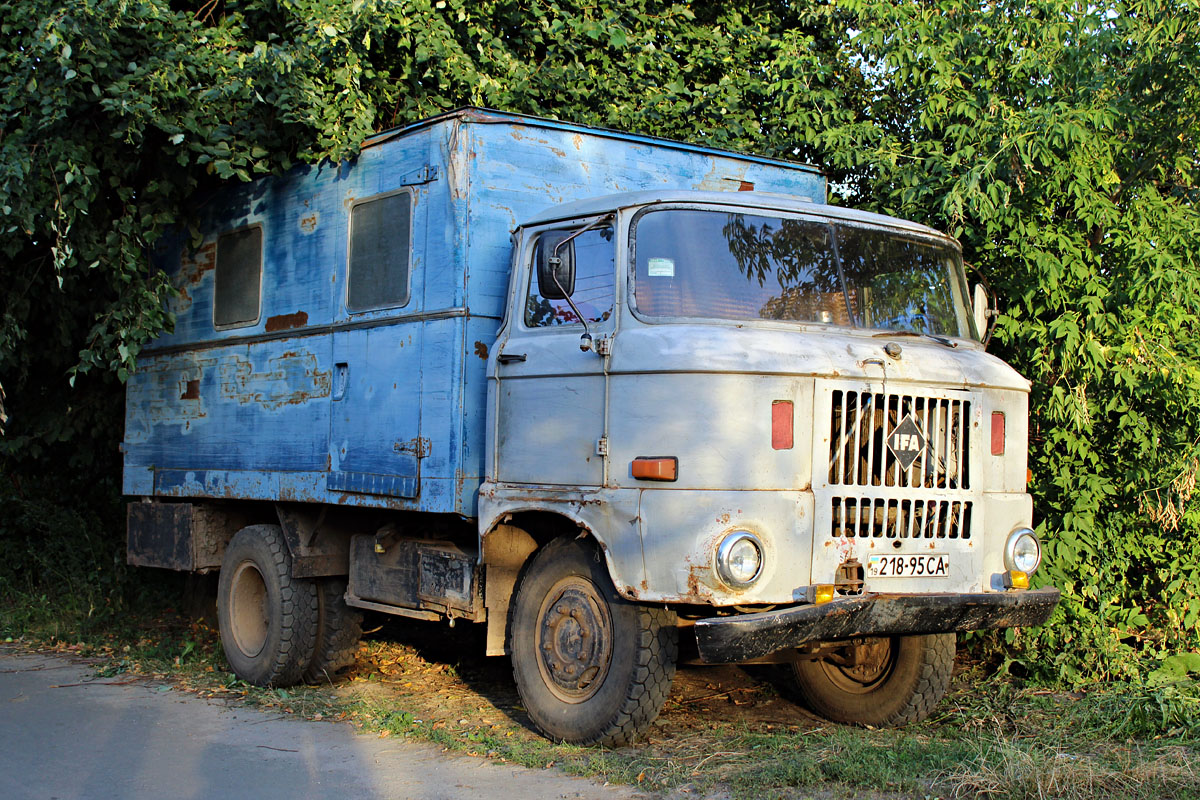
(934, 336)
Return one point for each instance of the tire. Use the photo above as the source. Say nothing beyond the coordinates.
(268, 619)
(896, 681)
(591, 667)
(339, 629)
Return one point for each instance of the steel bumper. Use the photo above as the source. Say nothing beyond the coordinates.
(724, 640)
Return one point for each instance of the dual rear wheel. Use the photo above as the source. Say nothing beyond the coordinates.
(277, 630)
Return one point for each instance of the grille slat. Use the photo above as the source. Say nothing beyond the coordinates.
(876, 517)
(862, 422)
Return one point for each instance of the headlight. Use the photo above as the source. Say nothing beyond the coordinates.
(739, 559)
(1022, 551)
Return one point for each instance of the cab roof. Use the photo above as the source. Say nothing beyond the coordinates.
(765, 201)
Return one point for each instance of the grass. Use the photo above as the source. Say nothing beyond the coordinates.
(724, 729)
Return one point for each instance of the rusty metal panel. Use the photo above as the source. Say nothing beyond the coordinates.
(179, 536)
(159, 535)
(409, 573)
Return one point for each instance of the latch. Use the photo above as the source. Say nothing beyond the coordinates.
(418, 447)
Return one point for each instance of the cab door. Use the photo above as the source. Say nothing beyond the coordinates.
(550, 401)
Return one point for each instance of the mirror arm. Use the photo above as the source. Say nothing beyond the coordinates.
(585, 341)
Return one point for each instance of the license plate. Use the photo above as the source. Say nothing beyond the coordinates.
(930, 565)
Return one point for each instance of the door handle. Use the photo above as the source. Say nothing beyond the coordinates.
(341, 377)
(510, 358)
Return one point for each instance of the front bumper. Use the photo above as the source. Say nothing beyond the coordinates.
(724, 640)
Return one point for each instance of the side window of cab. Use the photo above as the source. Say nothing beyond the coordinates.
(595, 268)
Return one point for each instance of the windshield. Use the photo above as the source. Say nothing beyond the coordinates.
(695, 263)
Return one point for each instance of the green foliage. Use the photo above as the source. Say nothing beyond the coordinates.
(1056, 140)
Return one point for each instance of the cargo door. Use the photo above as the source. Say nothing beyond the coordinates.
(375, 422)
(550, 394)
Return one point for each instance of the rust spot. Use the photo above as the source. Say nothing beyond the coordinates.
(481, 350)
(291, 380)
(308, 223)
(723, 519)
(558, 152)
(192, 392)
(693, 581)
(577, 140)
(285, 322)
(745, 186)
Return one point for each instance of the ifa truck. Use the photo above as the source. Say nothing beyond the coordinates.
(614, 397)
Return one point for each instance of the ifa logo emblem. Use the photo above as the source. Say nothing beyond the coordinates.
(906, 441)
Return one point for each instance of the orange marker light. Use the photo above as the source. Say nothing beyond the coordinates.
(782, 423)
(655, 468)
(997, 433)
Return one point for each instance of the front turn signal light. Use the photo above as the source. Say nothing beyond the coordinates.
(655, 468)
(824, 593)
(1015, 579)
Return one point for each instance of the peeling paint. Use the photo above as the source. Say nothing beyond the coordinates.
(291, 379)
(284, 322)
(309, 222)
(481, 350)
(192, 392)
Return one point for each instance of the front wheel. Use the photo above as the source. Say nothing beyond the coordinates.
(885, 682)
(591, 667)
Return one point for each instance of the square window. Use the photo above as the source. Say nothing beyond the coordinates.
(238, 278)
(380, 241)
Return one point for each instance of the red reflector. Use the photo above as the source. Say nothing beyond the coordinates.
(997, 433)
(655, 468)
(781, 424)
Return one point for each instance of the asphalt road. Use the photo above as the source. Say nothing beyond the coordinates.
(64, 733)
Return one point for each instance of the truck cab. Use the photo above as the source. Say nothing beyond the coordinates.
(775, 417)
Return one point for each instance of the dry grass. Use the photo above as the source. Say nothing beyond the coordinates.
(1033, 770)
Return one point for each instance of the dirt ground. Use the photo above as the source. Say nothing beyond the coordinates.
(449, 665)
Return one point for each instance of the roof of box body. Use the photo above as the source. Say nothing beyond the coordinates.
(487, 116)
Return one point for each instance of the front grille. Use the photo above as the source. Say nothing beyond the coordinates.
(861, 423)
(867, 517)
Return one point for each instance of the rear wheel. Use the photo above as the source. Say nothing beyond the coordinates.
(884, 681)
(591, 667)
(268, 619)
(339, 629)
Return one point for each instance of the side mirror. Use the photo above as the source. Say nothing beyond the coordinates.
(555, 271)
(980, 310)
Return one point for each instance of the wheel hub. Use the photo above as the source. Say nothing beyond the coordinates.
(574, 640)
(248, 609)
(862, 666)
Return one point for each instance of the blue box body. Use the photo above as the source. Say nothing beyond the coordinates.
(380, 409)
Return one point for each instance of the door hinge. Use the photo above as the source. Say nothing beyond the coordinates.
(418, 447)
(604, 346)
(425, 174)
(602, 446)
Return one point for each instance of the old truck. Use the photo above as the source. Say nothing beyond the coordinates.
(605, 394)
